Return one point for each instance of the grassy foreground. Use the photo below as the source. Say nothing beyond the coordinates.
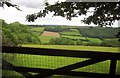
(86, 48)
(53, 62)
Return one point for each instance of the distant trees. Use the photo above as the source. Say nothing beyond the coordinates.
(111, 43)
(62, 41)
(15, 33)
(53, 28)
(79, 42)
(99, 32)
(68, 41)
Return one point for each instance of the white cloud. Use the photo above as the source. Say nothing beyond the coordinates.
(34, 3)
(31, 6)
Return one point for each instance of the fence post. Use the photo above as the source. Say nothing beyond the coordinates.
(112, 71)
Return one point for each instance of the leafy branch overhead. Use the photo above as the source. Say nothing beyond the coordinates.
(9, 4)
(105, 13)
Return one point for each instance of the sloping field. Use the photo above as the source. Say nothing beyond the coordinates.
(71, 32)
(37, 30)
(48, 33)
(45, 39)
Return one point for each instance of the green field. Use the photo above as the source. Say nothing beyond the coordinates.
(71, 32)
(94, 40)
(53, 62)
(37, 30)
(45, 39)
(75, 37)
(86, 48)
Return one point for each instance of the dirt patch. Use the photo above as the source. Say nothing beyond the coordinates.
(48, 33)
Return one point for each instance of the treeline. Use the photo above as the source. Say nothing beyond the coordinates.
(53, 28)
(57, 28)
(68, 41)
(15, 33)
(62, 41)
(101, 33)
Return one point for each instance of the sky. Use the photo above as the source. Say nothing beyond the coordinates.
(34, 6)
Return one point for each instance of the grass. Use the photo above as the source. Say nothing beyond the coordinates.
(74, 37)
(53, 62)
(72, 47)
(71, 37)
(11, 74)
(34, 61)
(45, 39)
(37, 30)
(111, 39)
(40, 29)
(71, 32)
(94, 40)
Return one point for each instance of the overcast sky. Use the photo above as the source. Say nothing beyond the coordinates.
(33, 6)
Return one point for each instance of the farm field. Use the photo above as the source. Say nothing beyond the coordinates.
(73, 37)
(86, 48)
(45, 39)
(53, 62)
(37, 30)
(94, 40)
(72, 32)
(48, 33)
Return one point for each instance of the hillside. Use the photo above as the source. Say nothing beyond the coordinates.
(76, 35)
(99, 32)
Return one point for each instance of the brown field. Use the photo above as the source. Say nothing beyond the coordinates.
(48, 33)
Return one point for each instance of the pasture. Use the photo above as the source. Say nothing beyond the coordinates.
(74, 37)
(71, 32)
(72, 47)
(45, 39)
(94, 40)
(37, 30)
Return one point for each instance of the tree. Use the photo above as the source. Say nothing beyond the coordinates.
(105, 13)
(15, 33)
(111, 43)
(9, 4)
(79, 42)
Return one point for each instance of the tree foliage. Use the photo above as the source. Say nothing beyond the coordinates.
(9, 4)
(15, 33)
(62, 41)
(53, 28)
(105, 13)
(111, 43)
(97, 32)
